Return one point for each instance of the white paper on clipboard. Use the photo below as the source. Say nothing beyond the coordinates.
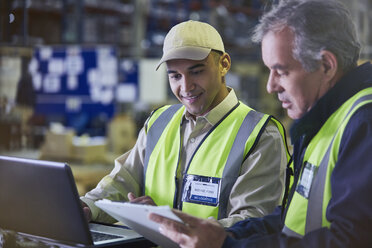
(135, 216)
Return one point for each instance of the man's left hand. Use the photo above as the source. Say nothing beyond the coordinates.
(193, 232)
(146, 200)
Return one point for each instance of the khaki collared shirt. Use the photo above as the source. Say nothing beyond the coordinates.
(256, 192)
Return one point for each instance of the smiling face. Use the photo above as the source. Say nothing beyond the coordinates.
(297, 89)
(199, 85)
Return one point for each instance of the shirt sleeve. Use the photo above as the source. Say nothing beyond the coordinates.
(127, 176)
(260, 185)
(349, 209)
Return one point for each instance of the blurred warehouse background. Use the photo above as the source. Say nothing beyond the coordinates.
(78, 79)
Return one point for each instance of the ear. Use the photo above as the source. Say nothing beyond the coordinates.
(225, 64)
(329, 64)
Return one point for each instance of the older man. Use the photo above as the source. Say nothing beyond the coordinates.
(311, 50)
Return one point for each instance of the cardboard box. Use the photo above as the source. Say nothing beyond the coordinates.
(122, 134)
(57, 145)
(89, 149)
(61, 144)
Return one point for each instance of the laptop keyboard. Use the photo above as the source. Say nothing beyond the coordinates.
(98, 236)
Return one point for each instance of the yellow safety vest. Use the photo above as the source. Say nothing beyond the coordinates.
(307, 210)
(215, 163)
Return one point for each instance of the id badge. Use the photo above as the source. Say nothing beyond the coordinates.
(306, 180)
(201, 190)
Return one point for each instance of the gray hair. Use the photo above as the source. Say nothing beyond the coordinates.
(317, 25)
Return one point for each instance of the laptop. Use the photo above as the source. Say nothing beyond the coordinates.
(39, 199)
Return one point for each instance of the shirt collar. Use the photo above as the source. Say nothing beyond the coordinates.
(218, 112)
(352, 82)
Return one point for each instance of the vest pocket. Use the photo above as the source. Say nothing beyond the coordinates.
(201, 211)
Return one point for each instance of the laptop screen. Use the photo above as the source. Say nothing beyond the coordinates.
(40, 198)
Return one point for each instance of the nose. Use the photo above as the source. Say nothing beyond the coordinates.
(186, 84)
(272, 84)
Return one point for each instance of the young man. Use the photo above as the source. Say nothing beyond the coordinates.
(311, 50)
(211, 156)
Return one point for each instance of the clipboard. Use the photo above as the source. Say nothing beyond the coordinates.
(135, 216)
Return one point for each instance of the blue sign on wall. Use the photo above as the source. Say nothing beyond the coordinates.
(75, 83)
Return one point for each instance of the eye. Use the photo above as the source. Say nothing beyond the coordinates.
(281, 73)
(175, 76)
(196, 72)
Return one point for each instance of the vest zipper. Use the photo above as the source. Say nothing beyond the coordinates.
(176, 181)
(297, 171)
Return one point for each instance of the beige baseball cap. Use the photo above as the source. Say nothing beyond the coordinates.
(191, 40)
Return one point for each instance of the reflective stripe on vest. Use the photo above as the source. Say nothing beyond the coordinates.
(240, 128)
(305, 215)
(154, 133)
(232, 166)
